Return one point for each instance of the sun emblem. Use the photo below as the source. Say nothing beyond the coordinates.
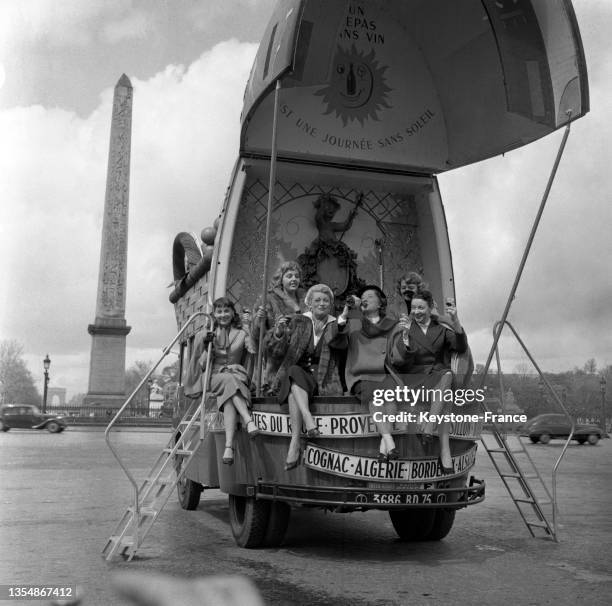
(357, 89)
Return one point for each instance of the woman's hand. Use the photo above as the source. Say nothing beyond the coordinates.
(451, 312)
(405, 322)
(281, 326)
(246, 317)
(260, 313)
(343, 317)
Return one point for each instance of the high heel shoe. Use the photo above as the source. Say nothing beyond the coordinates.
(289, 465)
(313, 433)
(393, 455)
(252, 429)
(228, 460)
(382, 457)
(445, 470)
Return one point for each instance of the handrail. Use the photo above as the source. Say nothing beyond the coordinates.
(497, 329)
(166, 350)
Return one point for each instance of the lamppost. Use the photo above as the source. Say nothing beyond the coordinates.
(46, 364)
(602, 386)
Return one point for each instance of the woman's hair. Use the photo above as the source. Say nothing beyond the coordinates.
(412, 277)
(326, 290)
(225, 302)
(277, 278)
(425, 295)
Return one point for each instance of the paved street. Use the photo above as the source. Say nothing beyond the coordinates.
(62, 495)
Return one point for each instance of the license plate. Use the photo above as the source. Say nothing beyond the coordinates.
(396, 498)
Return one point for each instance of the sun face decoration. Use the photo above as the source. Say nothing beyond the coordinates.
(357, 89)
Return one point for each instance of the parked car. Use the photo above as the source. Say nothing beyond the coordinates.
(28, 416)
(545, 427)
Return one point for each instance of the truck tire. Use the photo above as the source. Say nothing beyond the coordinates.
(412, 524)
(593, 439)
(277, 524)
(52, 427)
(249, 519)
(545, 438)
(443, 522)
(188, 493)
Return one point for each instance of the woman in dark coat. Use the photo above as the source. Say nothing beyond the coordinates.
(309, 365)
(369, 357)
(426, 360)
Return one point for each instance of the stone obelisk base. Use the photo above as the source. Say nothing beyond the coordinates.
(107, 364)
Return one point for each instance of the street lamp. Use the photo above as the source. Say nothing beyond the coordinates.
(46, 364)
(602, 386)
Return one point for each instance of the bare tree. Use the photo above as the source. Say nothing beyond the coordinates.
(590, 366)
(16, 381)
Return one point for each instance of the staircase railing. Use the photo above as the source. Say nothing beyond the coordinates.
(166, 350)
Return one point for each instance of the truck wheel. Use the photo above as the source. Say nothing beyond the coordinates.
(53, 427)
(188, 493)
(249, 520)
(593, 439)
(545, 438)
(412, 524)
(443, 522)
(3, 427)
(277, 524)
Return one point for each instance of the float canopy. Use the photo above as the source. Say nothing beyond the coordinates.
(416, 85)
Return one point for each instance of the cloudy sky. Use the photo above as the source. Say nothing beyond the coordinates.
(188, 62)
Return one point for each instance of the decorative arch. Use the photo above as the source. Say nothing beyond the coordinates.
(56, 396)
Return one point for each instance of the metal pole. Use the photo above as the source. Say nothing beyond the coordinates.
(271, 185)
(44, 406)
(602, 384)
(519, 273)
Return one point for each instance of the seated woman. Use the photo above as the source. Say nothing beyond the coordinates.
(229, 379)
(426, 360)
(309, 365)
(368, 357)
(285, 298)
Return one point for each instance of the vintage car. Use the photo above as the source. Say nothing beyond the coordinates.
(545, 427)
(28, 416)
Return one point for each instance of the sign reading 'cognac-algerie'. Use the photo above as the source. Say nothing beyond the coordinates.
(369, 468)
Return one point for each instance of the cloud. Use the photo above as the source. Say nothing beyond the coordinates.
(75, 24)
(134, 25)
(185, 137)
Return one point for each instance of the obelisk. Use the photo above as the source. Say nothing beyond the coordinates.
(107, 363)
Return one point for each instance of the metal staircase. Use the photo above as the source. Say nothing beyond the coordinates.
(523, 481)
(151, 496)
(537, 505)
